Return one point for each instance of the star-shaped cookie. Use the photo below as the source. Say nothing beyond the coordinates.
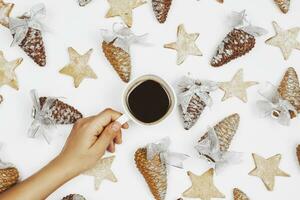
(267, 169)
(7, 72)
(237, 87)
(286, 40)
(123, 8)
(78, 67)
(203, 187)
(185, 45)
(5, 10)
(102, 171)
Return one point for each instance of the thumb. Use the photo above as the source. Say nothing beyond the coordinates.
(107, 136)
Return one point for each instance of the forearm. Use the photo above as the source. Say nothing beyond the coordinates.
(42, 184)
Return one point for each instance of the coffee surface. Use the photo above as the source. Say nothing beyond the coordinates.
(148, 102)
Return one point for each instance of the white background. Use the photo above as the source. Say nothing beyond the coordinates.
(71, 25)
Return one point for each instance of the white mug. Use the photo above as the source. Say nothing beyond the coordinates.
(128, 116)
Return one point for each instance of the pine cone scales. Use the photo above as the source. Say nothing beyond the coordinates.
(33, 46)
(119, 59)
(284, 5)
(74, 197)
(225, 131)
(154, 172)
(62, 113)
(289, 88)
(236, 44)
(8, 178)
(161, 9)
(298, 153)
(194, 110)
(239, 195)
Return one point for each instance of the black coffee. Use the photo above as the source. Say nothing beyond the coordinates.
(148, 102)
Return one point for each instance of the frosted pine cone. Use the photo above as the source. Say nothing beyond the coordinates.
(239, 195)
(74, 197)
(161, 9)
(194, 110)
(236, 44)
(119, 59)
(289, 89)
(298, 153)
(33, 46)
(284, 5)
(62, 113)
(8, 177)
(154, 172)
(225, 131)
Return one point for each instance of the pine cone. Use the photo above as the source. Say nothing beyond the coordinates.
(119, 59)
(239, 195)
(74, 197)
(8, 178)
(298, 153)
(289, 89)
(62, 113)
(154, 172)
(33, 46)
(284, 5)
(225, 131)
(194, 110)
(1, 98)
(161, 9)
(236, 44)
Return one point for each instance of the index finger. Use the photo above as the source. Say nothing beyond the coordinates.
(100, 121)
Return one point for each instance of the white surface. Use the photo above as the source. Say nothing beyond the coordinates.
(71, 25)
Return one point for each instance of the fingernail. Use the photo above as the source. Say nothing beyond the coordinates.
(116, 126)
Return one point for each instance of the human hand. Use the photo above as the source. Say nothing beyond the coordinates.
(89, 139)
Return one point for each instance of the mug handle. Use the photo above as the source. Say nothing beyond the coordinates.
(123, 119)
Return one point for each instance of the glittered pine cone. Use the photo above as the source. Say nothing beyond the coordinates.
(154, 172)
(33, 46)
(194, 110)
(119, 59)
(161, 9)
(62, 113)
(225, 131)
(239, 195)
(74, 197)
(236, 44)
(284, 5)
(289, 89)
(8, 178)
(298, 153)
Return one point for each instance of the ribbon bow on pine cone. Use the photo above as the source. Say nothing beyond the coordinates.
(122, 36)
(240, 21)
(20, 26)
(274, 106)
(209, 148)
(41, 115)
(190, 87)
(161, 148)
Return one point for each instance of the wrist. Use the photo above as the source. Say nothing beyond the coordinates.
(66, 167)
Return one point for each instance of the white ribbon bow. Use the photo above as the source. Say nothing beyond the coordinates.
(209, 148)
(122, 36)
(240, 21)
(19, 26)
(161, 148)
(190, 87)
(4, 165)
(83, 2)
(41, 115)
(274, 106)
